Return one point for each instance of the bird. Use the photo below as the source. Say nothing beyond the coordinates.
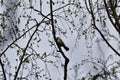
(61, 43)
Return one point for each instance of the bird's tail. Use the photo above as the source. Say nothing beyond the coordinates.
(66, 48)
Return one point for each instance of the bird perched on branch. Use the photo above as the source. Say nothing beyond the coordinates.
(61, 44)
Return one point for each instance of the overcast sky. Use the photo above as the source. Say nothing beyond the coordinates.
(77, 52)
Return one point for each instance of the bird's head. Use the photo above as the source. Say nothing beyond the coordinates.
(57, 38)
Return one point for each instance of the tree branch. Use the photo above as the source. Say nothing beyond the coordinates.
(94, 24)
(108, 13)
(3, 70)
(30, 28)
(24, 51)
(54, 36)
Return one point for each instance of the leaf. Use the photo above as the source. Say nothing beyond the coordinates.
(1, 2)
(44, 55)
(47, 22)
(18, 20)
(69, 10)
(27, 60)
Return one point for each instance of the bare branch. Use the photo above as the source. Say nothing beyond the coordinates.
(60, 50)
(94, 24)
(3, 70)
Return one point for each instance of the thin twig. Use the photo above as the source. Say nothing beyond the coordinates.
(24, 51)
(3, 70)
(94, 24)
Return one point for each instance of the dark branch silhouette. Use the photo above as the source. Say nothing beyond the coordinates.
(60, 50)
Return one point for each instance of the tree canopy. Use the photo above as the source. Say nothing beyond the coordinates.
(29, 49)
